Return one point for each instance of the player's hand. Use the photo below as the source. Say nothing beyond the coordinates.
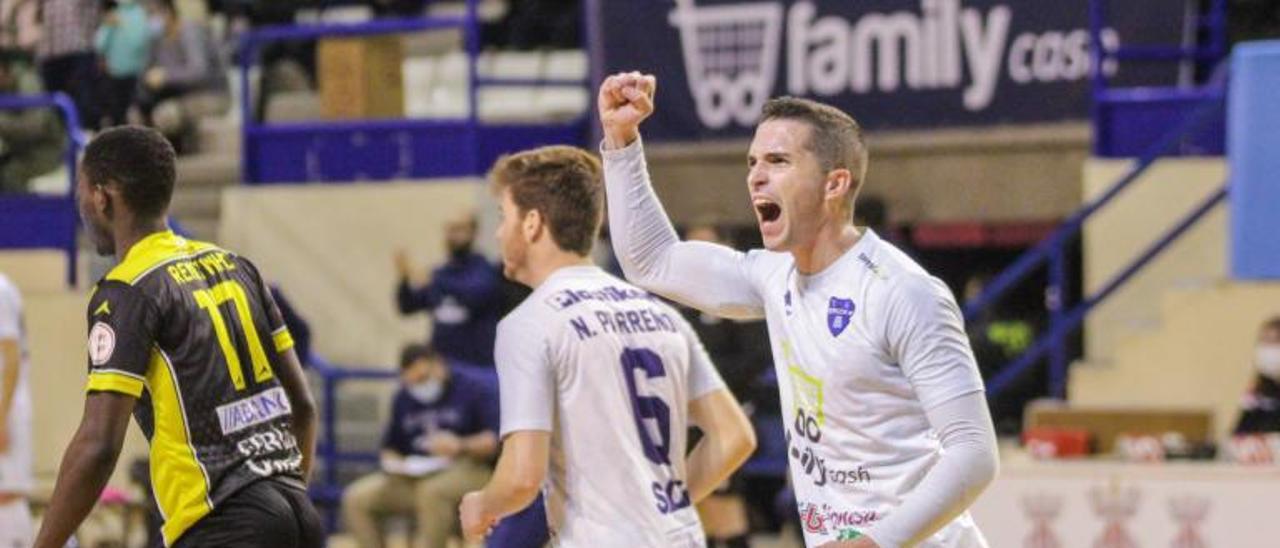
(403, 267)
(625, 100)
(444, 444)
(4, 437)
(861, 542)
(476, 521)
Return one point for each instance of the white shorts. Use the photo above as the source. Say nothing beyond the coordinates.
(16, 474)
(16, 527)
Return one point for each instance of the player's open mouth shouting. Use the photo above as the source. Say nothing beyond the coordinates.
(768, 214)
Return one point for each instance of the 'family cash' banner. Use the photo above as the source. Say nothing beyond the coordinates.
(891, 63)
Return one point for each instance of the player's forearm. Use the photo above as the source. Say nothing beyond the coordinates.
(509, 492)
(9, 363)
(968, 465)
(705, 276)
(715, 458)
(304, 430)
(519, 474)
(728, 441)
(84, 472)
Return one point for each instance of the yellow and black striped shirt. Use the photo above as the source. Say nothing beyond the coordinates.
(191, 330)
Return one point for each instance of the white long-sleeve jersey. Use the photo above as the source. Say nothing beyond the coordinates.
(888, 431)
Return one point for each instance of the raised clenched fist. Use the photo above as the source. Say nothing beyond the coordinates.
(626, 99)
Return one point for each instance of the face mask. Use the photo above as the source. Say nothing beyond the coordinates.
(428, 391)
(459, 252)
(1267, 359)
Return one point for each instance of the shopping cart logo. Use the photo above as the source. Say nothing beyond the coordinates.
(730, 56)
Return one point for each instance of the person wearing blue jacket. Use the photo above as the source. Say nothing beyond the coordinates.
(463, 296)
(439, 444)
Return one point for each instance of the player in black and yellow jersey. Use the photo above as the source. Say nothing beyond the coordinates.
(185, 336)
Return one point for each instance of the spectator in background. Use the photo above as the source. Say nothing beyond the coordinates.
(65, 52)
(16, 475)
(32, 141)
(464, 296)
(185, 78)
(1260, 410)
(740, 351)
(439, 445)
(124, 42)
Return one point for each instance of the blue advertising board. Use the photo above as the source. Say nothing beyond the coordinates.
(891, 63)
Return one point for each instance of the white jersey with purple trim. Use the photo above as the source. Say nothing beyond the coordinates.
(857, 433)
(16, 474)
(609, 370)
(871, 356)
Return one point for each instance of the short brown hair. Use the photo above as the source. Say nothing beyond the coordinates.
(836, 138)
(563, 184)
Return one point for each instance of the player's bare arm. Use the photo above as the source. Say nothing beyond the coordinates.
(727, 441)
(516, 482)
(303, 422)
(9, 361)
(86, 466)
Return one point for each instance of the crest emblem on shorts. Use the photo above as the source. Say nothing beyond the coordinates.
(839, 313)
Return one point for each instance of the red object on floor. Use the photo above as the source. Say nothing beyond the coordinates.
(1056, 443)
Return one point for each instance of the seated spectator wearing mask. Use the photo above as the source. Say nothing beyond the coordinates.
(1260, 410)
(439, 445)
(185, 78)
(464, 296)
(32, 141)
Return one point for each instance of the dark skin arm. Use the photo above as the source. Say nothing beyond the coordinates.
(294, 382)
(86, 465)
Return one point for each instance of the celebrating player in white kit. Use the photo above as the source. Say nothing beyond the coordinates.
(16, 528)
(889, 434)
(599, 380)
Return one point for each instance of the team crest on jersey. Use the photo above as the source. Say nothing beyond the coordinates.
(102, 343)
(839, 314)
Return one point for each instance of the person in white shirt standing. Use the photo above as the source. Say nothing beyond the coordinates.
(16, 528)
(598, 380)
(890, 439)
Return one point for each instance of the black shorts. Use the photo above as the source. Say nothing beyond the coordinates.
(266, 514)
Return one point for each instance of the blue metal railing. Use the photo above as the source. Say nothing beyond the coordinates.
(1125, 119)
(461, 141)
(1207, 104)
(328, 489)
(1053, 250)
(29, 221)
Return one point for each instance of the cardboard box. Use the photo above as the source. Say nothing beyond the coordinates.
(360, 77)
